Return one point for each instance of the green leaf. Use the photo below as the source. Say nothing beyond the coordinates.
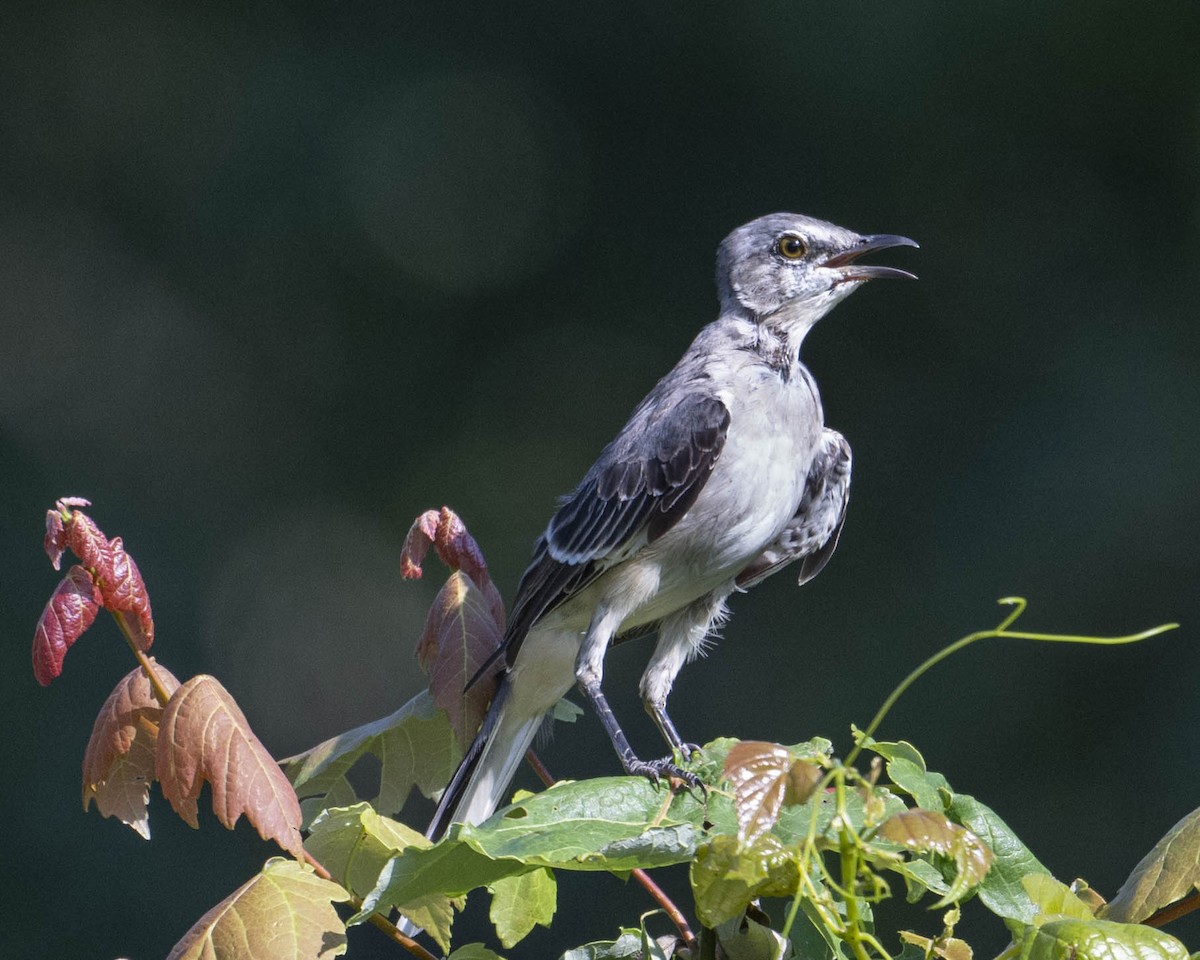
(355, 843)
(474, 951)
(907, 771)
(743, 938)
(924, 831)
(415, 745)
(1100, 940)
(612, 824)
(1054, 899)
(727, 874)
(628, 946)
(1169, 872)
(519, 903)
(1001, 890)
(609, 823)
(283, 913)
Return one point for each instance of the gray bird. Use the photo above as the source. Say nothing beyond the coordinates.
(724, 474)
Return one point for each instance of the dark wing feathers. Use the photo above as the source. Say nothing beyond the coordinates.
(812, 534)
(641, 485)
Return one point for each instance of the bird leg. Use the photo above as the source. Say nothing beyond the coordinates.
(651, 769)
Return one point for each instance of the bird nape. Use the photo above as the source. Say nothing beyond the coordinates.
(724, 474)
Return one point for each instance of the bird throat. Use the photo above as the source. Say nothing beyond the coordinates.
(776, 349)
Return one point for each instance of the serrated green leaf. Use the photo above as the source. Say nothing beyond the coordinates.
(626, 947)
(613, 824)
(1100, 940)
(907, 771)
(355, 843)
(1001, 890)
(727, 875)
(1169, 872)
(610, 823)
(415, 746)
(283, 913)
(522, 902)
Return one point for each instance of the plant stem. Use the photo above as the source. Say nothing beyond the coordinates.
(382, 923)
(997, 632)
(1174, 911)
(160, 692)
(638, 874)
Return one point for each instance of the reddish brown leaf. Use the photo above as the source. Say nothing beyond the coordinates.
(764, 776)
(122, 590)
(416, 544)
(205, 736)
(70, 610)
(457, 549)
(925, 831)
(118, 764)
(460, 635)
(85, 538)
(125, 594)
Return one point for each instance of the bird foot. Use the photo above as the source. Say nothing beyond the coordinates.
(653, 770)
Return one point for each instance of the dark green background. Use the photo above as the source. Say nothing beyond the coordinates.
(273, 281)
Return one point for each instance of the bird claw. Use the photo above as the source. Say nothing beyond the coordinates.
(653, 770)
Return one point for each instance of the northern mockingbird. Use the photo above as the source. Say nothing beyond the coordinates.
(723, 475)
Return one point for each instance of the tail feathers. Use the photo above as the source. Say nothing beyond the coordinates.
(481, 782)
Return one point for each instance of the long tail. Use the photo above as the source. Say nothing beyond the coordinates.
(482, 778)
(479, 785)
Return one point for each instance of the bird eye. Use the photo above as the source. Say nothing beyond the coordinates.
(791, 247)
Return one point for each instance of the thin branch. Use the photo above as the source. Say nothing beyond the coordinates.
(380, 922)
(641, 876)
(1174, 911)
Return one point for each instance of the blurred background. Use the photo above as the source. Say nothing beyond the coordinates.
(273, 281)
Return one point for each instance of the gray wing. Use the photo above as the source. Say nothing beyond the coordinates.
(812, 535)
(642, 484)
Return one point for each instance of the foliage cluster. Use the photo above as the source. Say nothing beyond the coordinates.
(793, 825)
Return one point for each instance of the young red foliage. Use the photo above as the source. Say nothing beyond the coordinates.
(115, 584)
(460, 635)
(118, 764)
(204, 736)
(465, 625)
(764, 777)
(447, 534)
(70, 610)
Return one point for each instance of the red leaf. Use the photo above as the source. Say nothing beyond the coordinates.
(457, 549)
(764, 777)
(122, 590)
(118, 764)
(56, 538)
(125, 594)
(70, 610)
(417, 543)
(460, 635)
(205, 736)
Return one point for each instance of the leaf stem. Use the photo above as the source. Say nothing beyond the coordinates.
(160, 692)
(1000, 631)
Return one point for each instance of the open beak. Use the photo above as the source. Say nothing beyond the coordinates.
(846, 262)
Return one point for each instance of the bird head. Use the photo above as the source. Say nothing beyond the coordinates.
(788, 270)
